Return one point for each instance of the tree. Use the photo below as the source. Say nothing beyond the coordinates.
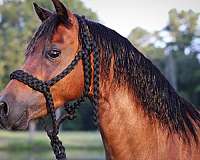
(176, 51)
(183, 29)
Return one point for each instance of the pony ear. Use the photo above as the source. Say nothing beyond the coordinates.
(61, 10)
(42, 13)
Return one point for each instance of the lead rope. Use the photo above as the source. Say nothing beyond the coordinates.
(88, 45)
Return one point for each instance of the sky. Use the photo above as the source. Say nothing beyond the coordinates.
(124, 15)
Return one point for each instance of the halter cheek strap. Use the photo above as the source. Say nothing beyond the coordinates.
(88, 46)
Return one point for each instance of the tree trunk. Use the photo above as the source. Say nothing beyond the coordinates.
(170, 70)
(32, 128)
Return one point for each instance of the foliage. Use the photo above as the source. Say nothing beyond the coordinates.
(176, 51)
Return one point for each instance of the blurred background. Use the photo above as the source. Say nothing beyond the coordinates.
(166, 32)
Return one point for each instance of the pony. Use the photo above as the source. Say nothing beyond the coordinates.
(140, 115)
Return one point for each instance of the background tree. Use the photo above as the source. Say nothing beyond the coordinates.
(176, 51)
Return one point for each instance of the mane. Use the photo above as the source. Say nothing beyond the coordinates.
(155, 94)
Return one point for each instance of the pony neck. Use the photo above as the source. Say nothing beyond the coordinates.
(128, 133)
(122, 124)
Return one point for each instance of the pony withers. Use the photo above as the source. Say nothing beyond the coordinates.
(140, 115)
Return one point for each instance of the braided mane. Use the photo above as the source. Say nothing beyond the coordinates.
(157, 97)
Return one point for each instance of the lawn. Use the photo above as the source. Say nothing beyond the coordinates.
(79, 146)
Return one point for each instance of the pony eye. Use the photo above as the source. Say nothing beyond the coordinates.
(54, 53)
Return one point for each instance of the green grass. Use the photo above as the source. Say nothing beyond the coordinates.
(79, 145)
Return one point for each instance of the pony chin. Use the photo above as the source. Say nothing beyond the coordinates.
(22, 123)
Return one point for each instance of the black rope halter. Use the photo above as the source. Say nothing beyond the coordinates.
(88, 46)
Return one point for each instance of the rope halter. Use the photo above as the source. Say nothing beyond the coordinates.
(88, 46)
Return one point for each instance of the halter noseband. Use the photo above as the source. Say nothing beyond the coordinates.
(88, 46)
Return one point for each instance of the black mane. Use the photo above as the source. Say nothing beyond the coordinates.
(157, 96)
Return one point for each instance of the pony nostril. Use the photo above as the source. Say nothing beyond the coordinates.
(4, 108)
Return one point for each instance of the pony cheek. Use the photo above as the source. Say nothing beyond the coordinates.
(41, 111)
(58, 92)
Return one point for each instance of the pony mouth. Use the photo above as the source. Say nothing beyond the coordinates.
(21, 123)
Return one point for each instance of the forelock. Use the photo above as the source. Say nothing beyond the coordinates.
(46, 30)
